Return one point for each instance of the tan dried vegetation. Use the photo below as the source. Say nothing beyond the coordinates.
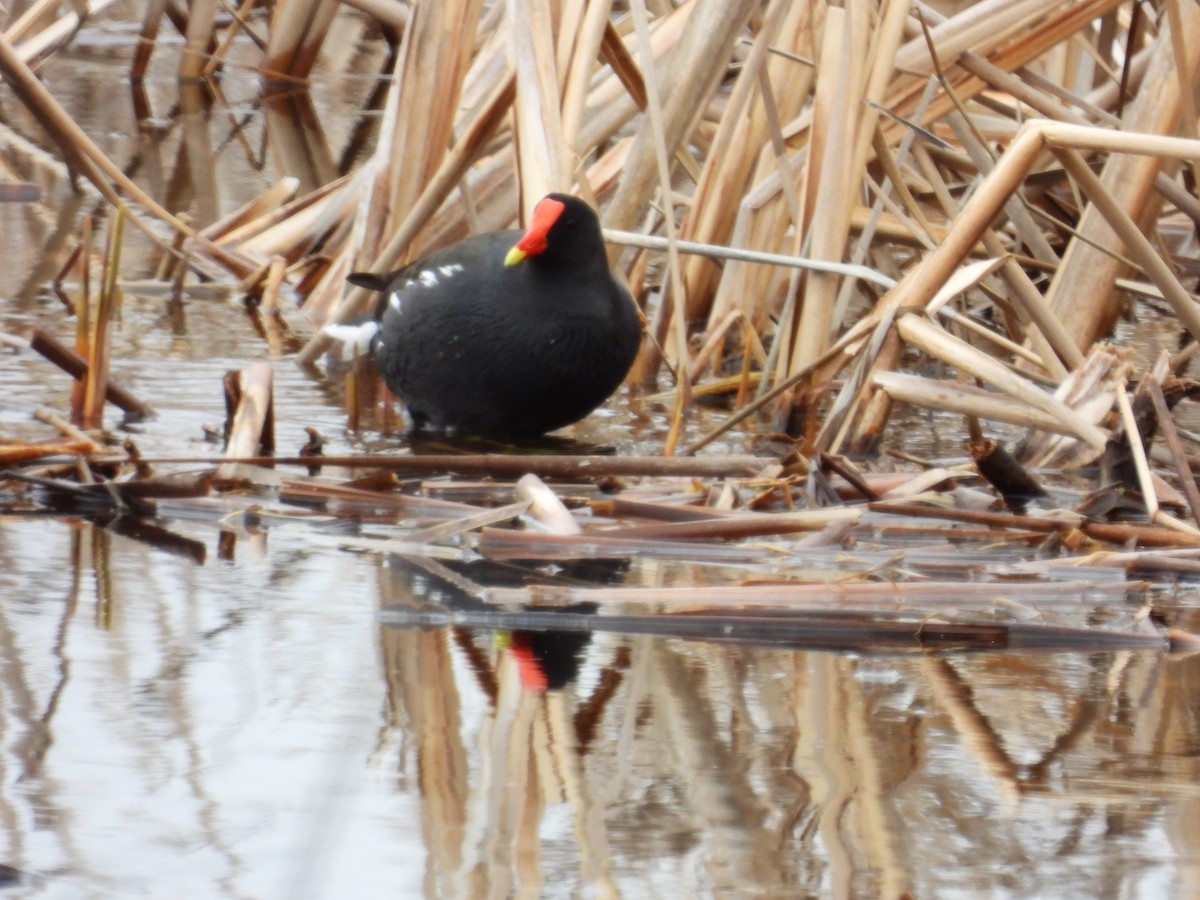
(1006, 164)
(805, 197)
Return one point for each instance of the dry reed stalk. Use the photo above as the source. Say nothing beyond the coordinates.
(709, 34)
(828, 189)
(743, 130)
(987, 30)
(474, 522)
(274, 197)
(37, 17)
(423, 103)
(392, 13)
(499, 465)
(1171, 437)
(75, 364)
(846, 345)
(199, 39)
(1143, 535)
(672, 299)
(294, 229)
(741, 526)
(718, 252)
(83, 316)
(100, 334)
(577, 65)
(50, 37)
(297, 31)
(981, 24)
(1088, 272)
(542, 163)
(17, 454)
(895, 598)
(966, 399)
(67, 430)
(920, 332)
(508, 543)
(1090, 390)
(613, 101)
(1138, 451)
(626, 72)
(972, 221)
(969, 327)
(1136, 243)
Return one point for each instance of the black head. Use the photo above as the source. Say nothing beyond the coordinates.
(564, 231)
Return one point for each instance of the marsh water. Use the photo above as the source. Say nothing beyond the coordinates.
(228, 709)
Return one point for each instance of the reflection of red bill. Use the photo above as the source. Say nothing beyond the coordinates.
(532, 675)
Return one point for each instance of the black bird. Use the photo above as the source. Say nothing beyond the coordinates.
(506, 333)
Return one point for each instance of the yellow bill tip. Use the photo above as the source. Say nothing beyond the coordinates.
(515, 255)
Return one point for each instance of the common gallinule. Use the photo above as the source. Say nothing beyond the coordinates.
(507, 333)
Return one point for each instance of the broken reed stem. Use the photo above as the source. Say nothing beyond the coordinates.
(251, 425)
(76, 366)
(716, 251)
(84, 443)
(1138, 451)
(858, 332)
(673, 295)
(83, 319)
(100, 336)
(1170, 435)
(1144, 535)
(1136, 243)
(514, 466)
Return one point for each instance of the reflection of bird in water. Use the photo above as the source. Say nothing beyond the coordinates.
(549, 660)
(546, 659)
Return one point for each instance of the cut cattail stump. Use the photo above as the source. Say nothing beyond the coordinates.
(249, 418)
